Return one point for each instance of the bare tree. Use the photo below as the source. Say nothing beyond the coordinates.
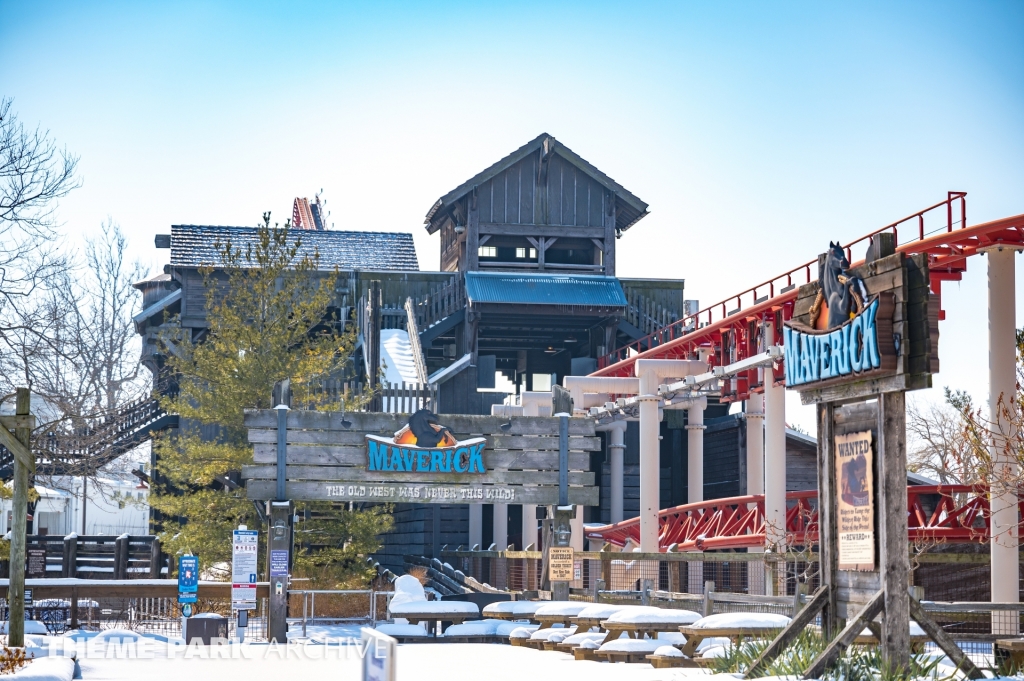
(34, 175)
(937, 445)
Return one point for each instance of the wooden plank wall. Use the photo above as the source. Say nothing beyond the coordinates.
(321, 450)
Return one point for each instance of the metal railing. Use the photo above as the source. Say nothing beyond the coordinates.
(340, 606)
(756, 297)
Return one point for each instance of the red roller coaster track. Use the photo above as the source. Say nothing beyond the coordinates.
(946, 513)
(734, 333)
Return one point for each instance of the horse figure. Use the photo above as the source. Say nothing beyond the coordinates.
(428, 432)
(844, 295)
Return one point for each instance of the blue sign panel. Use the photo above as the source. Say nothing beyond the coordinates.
(188, 579)
(278, 563)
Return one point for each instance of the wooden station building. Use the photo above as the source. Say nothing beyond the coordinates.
(526, 293)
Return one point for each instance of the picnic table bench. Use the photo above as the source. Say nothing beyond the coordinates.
(695, 635)
(432, 618)
(1015, 647)
(670, 661)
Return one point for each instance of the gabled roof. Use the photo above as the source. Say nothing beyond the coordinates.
(535, 288)
(194, 246)
(629, 208)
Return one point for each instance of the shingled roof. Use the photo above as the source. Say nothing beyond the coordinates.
(194, 246)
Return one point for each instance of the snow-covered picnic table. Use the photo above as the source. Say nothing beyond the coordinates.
(410, 603)
(595, 613)
(432, 612)
(628, 649)
(641, 621)
(558, 612)
(734, 625)
(512, 610)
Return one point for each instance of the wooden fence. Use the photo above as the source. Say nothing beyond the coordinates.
(98, 556)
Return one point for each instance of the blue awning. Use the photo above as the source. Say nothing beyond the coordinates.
(528, 288)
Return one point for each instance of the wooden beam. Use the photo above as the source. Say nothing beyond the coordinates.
(827, 529)
(943, 640)
(21, 453)
(832, 652)
(891, 521)
(422, 493)
(12, 422)
(19, 520)
(818, 601)
(567, 232)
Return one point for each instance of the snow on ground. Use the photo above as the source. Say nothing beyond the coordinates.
(423, 662)
(31, 627)
(48, 669)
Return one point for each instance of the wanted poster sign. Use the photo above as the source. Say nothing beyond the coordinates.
(856, 501)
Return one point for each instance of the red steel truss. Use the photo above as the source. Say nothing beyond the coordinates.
(732, 328)
(958, 514)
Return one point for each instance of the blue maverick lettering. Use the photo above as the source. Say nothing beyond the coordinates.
(387, 457)
(850, 349)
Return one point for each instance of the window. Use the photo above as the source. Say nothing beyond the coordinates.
(520, 252)
(487, 252)
(524, 253)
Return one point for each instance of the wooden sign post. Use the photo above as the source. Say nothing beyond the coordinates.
(858, 340)
(24, 463)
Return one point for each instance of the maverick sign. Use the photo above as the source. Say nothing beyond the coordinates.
(845, 334)
(425, 446)
(419, 458)
(855, 348)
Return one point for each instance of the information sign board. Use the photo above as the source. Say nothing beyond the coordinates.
(278, 562)
(244, 545)
(35, 563)
(188, 579)
(560, 564)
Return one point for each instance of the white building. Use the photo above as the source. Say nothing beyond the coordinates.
(112, 507)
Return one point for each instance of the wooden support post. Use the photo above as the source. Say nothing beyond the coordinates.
(800, 621)
(74, 609)
(846, 637)
(894, 561)
(943, 640)
(155, 559)
(709, 599)
(278, 558)
(19, 513)
(66, 561)
(121, 545)
(829, 549)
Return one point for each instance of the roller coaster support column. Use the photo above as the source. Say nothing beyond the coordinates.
(695, 451)
(616, 447)
(754, 416)
(531, 402)
(651, 372)
(774, 459)
(1002, 408)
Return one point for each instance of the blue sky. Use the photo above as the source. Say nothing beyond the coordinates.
(757, 131)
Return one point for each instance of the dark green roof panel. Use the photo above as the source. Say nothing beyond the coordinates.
(528, 288)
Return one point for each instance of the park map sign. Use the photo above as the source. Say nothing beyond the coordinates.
(420, 458)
